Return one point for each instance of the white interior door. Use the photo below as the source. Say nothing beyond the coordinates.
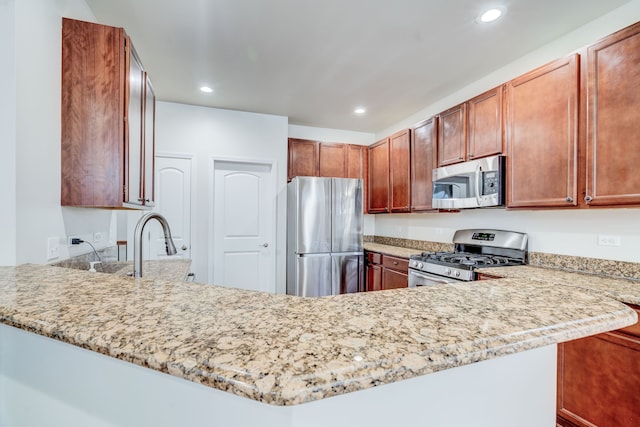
(243, 226)
(173, 201)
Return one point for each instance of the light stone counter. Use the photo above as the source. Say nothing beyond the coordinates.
(286, 350)
(623, 290)
(391, 250)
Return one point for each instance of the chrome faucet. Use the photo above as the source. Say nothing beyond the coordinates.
(137, 240)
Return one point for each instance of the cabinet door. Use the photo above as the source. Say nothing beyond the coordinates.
(92, 125)
(357, 161)
(485, 124)
(332, 160)
(423, 161)
(393, 279)
(452, 125)
(357, 167)
(379, 177)
(374, 277)
(134, 131)
(149, 143)
(303, 158)
(400, 171)
(542, 138)
(598, 381)
(613, 121)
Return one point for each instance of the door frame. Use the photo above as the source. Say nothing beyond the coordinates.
(274, 211)
(193, 199)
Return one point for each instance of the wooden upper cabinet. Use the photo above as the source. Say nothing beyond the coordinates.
(613, 120)
(542, 136)
(304, 158)
(357, 161)
(452, 135)
(358, 167)
(423, 161)
(379, 177)
(400, 171)
(332, 160)
(485, 124)
(108, 119)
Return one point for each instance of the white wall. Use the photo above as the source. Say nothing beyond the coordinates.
(568, 232)
(32, 212)
(30, 34)
(7, 134)
(210, 132)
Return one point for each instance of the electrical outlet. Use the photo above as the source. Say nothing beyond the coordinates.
(97, 237)
(606, 240)
(53, 248)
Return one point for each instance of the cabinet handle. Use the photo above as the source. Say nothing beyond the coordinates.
(588, 199)
(470, 156)
(460, 158)
(395, 262)
(569, 199)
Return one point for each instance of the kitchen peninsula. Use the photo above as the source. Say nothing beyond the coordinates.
(79, 348)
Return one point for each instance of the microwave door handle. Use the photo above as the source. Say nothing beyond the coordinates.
(478, 171)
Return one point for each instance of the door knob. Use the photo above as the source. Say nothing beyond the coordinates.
(184, 247)
(266, 245)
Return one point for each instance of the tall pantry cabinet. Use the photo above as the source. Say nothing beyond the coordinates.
(108, 119)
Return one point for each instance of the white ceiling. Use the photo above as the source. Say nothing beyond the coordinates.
(316, 60)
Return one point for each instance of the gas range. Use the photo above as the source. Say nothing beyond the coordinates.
(473, 249)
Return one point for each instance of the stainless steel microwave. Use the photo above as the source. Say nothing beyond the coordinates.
(474, 184)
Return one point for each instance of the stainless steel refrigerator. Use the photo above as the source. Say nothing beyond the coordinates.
(324, 236)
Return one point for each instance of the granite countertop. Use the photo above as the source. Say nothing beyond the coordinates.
(623, 290)
(286, 350)
(391, 250)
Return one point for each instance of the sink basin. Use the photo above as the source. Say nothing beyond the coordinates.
(109, 267)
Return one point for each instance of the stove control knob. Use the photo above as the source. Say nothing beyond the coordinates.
(457, 274)
(420, 265)
(448, 271)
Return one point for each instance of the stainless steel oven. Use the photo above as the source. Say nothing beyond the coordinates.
(472, 249)
(418, 278)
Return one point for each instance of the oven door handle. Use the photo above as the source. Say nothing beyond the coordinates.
(435, 279)
(478, 172)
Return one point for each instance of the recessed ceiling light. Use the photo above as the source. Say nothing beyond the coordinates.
(206, 89)
(491, 15)
(359, 110)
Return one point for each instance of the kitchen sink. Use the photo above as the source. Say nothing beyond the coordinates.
(123, 268)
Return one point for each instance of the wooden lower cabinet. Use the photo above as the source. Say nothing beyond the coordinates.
(599, 380)
(393, 279)
(386, 272)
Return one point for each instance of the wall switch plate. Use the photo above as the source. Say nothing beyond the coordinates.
(97, 237)
(606, 240)
(53, 248)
